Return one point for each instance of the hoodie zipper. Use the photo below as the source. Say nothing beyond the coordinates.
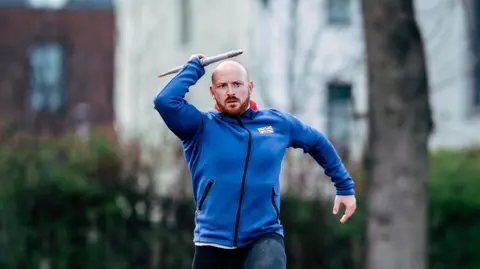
(242, 190)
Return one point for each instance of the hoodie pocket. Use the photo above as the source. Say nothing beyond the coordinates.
(204, 195)
(277, 211)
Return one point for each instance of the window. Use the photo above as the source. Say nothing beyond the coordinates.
(47, 77)
(338, 12)
(50, 4)
(185, 22)
(476, 48)
(340, 116)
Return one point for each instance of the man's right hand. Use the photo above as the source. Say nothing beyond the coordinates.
(200, 56)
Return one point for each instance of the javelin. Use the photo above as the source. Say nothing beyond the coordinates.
(206, 61)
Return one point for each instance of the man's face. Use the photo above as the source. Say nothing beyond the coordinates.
(231, 88)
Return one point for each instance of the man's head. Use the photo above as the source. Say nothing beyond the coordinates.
(231, 87)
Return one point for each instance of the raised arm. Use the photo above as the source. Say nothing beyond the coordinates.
(319, 147)
(182, 118)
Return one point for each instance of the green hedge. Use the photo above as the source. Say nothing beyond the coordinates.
(71, 204)
(454, 201)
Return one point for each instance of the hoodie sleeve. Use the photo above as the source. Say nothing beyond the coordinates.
(182, 118)
(319, 147)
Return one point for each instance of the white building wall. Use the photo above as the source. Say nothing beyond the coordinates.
(149, 43)
(445, 29)
(340, 56)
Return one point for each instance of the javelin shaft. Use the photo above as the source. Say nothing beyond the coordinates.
(207, 61)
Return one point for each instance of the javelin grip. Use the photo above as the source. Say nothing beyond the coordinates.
(207, 61)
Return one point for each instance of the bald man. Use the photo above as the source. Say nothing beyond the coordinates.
(234, 153)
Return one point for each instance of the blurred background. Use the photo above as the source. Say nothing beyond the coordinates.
(92, 178)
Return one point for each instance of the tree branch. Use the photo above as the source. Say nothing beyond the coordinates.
(291, 55)
(310, 58)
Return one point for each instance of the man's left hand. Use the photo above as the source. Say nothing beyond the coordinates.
(350, 204)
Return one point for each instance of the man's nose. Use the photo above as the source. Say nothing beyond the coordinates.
(229, 90)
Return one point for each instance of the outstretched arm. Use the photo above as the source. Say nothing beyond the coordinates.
(182, 118)
(319, 147)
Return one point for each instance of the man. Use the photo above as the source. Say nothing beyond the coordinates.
(234, 153)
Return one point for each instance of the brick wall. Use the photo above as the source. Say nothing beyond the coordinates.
(88, 37)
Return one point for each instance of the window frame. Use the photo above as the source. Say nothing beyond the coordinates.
(343, 145)
(60, 83)
(333, 19)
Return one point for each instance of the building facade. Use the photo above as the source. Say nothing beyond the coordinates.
(305, 57)
(57, 64)
(334, 91)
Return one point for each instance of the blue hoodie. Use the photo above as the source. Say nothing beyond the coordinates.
(235, 162)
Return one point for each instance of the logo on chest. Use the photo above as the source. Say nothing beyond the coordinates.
(265, 130)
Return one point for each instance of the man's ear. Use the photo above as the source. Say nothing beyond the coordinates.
(211, 92)
(250, 87)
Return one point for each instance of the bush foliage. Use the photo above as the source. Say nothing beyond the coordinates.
(65, 203)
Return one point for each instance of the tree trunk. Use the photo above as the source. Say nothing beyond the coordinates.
(399, 127)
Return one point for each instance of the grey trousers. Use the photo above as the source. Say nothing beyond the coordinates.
(268, 252)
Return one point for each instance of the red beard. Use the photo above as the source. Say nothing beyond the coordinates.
(253, 106)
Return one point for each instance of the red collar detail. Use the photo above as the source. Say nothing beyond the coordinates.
(253, 106)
